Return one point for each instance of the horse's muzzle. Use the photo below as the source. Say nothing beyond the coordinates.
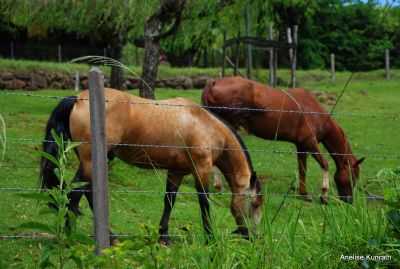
(348, 199)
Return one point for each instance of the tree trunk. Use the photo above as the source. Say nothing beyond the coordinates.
(117, 74)
(169, 10)
(151, 58)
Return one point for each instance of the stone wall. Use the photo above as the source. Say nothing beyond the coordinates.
(35, 80)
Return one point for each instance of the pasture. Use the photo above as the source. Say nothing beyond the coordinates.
(293, 233)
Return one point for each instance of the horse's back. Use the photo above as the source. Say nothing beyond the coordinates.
(164, 132)
(116, 106)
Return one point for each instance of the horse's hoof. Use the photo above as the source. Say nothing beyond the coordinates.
(244, 233)
(324, 200)
(305, 197)
(164, 240)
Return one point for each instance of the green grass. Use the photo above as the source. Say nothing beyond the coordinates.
(304, 235)
(309, 78)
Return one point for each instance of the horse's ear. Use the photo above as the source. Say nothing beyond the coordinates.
(210, 83)
(359, 161)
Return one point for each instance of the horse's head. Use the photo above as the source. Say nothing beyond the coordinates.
(226, 94)
(347, 177)
(255, 208)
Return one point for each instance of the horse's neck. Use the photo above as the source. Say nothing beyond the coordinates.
(234, 160)
(337, 144)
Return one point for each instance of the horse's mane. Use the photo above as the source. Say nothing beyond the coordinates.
(238, 138)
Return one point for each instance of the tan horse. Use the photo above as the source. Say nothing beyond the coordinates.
(174, 134)
(294, 116)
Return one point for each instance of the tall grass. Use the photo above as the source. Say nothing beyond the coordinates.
(339, 229)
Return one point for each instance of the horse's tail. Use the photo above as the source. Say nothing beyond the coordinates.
(59, 122)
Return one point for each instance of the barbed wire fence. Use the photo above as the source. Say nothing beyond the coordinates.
(33, 141)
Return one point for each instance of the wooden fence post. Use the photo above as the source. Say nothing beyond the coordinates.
(290, 41)
(387, 63)
(99, 159)
(237, 52)
(223, 56)
(249, 60)
(12, 50)
(59, 53)
(294, 56)
(271, 57)
(77, 81)
(333, 75)
(275, 69)
(104, 52)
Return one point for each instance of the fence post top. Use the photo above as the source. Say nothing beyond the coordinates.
(95, 69)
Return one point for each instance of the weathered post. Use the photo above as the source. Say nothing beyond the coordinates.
(387, 63)
(12, 50)
(59, 53)
(77, 81)
(99, 159)
(290, 42)
(223, 56)
(104, 52)
(294, 56)
(249, 60)
(237, 52)
(271, 57)
(276, 63)
(333, 75)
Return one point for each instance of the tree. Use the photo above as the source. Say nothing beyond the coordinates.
(111, 22)
(169, 11)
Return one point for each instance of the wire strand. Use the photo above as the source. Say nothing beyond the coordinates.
(249, 109)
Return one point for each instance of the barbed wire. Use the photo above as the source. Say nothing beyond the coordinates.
(39, 236)
(376, 155)
(248, 109)
(7, 166)
(162, 193)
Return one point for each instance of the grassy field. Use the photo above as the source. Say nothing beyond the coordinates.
(303, 235)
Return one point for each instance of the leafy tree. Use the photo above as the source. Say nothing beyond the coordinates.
(111, 21)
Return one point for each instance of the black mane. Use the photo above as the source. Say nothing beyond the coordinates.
(240, 140)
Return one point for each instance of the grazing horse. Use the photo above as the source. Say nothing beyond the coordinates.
(174, 134)
(294, 116)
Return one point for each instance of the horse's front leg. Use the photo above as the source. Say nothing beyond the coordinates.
(239, 210)
(302, 166)
(173, 183)
(325, 177)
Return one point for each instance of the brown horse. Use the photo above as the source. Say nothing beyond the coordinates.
(294, 116)
(174, 134)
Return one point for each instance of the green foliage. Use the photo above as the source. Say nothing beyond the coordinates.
(358, 32)
(392, 199)
(56, 253)
(100, 19)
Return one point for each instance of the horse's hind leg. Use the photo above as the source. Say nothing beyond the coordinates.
(173, 183)
(202, 192)
(76, 194)
(201, 174)
(302, 163)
